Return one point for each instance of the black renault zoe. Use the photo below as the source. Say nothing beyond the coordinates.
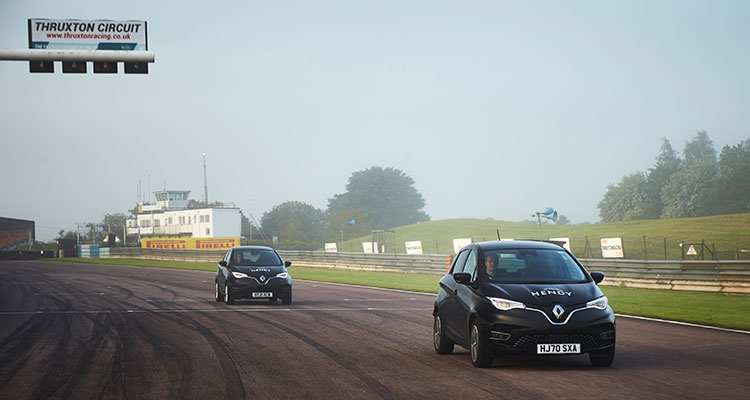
(253, 272)
(527, 297)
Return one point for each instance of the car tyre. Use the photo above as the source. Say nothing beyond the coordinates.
(286, 300)
(228, 297)
(479, 347)
(217, 294)
(602, 358)
(440, 341)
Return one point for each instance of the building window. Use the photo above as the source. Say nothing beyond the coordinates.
(208, 231)
(208, 218)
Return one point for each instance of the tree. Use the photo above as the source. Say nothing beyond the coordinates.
(624, 201)
(700, 149)
(384, 196)
(114, 223)
(684, 194)
(730, 191)
(562, 220)
(295, 221)
(63, 234)
(667, 163)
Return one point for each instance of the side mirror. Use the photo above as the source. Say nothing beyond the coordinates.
(463, 278)
(223, 263)
(597, 276)
(287, 263)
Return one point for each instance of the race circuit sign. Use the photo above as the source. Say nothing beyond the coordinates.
(612, 248)
(75, 34)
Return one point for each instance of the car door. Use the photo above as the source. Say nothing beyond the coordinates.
(466, 295)
(221, 274)
(449, 309)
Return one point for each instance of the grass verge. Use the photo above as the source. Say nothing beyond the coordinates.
(713, 309)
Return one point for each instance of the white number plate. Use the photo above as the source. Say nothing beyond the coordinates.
(558, 348)
(262, 294)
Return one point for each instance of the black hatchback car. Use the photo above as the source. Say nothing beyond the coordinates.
(526, 297)
(253, 272)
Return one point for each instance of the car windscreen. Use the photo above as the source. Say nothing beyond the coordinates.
(258, 257)
(532, 266)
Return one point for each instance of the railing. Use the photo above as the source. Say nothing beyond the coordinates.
(704, 276)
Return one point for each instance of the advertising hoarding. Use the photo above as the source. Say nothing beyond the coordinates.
(612, 248)
(459, 244)
(566, 241)
(330, 248)
(414, 247)
(367, 247)
(217, 243)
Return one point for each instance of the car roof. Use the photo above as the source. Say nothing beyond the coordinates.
(517, 244)
(252, 248)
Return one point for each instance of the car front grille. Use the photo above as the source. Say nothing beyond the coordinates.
(529, 342)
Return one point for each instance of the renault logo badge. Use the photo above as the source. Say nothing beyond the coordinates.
(558, 310)
(262, 278)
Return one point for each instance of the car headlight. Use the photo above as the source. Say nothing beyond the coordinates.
(505, 304)
(599, 304)
(239, 274)
(282, 275)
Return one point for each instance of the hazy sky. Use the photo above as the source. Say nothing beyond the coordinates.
(496, 109)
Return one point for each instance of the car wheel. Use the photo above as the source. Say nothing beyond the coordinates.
(286, 300)
(442, 344)
(479, 349)
(228, 298)
(602, 358)
(217, 293)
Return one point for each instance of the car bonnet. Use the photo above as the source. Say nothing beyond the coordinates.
(545, 294)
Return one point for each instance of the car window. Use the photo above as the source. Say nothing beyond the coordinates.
(255, 257)
(534, 266)
(471, 264)
(459, 265)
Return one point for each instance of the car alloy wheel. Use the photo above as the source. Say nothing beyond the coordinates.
(217, 294)
(480, 353)
(474, 343)
(442, 344)
(228, 298)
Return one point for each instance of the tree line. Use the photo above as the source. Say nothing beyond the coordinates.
(375, 198)
(698, 184)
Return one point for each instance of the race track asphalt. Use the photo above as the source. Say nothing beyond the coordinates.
(92, 331)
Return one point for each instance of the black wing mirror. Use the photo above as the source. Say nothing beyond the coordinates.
(597, 276)
(287, 263)
(223, 263)
(463, 278)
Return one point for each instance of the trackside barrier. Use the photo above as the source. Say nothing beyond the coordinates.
(704, 276)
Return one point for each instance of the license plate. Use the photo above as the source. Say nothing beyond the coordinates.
(558, 348)
(262, 294)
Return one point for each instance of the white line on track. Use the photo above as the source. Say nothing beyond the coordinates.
(666, 321)
(210, 310)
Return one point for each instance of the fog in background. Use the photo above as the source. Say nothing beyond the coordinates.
(496, 109)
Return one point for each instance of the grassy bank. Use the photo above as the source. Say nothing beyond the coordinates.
(726, 232)
(714, 309)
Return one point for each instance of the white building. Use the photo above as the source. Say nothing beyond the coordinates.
(170, 217)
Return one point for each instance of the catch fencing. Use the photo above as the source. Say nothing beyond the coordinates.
(703, 276)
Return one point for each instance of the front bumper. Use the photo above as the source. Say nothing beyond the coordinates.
(243, 288)
(519, 331)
